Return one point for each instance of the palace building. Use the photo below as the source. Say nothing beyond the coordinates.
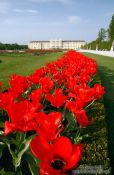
(57, 44)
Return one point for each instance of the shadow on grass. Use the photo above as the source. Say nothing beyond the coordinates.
(107, 80)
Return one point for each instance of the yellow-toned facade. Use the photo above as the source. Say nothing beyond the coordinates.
(56, 44)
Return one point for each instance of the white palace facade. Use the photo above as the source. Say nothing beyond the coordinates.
(56, 44)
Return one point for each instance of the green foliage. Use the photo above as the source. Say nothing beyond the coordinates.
(99, 45)
(14, 46)
(96, 147)
(2, 146)
(32, 163)
(3, 172)
(95, 152)
(111, 29)
(106, 72)
(102, 34)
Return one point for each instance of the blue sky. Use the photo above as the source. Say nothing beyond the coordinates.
(24, 20)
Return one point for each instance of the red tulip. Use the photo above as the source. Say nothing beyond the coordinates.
(82, 118)
(48, 125)
(74, 106)
(36, 95)
(98, 91)
(58, 99)
(21, 116)
(18, 83)
(46, 84)
(56, 158)
(1, 85)
(36, 76)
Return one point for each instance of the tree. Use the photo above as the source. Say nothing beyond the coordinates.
(111, 29)
(101, 35)
(14, 46)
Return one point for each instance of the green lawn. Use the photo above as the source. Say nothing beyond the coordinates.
(106, 72)
(22, 64)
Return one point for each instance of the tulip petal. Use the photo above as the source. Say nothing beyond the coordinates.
(40, 148)
(62, 148)
(75, 158)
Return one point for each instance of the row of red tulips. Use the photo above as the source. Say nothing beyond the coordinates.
(42, 50)
(53, 103)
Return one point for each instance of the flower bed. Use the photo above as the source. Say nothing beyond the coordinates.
(49, 112)
(96, 143)
(39, 52)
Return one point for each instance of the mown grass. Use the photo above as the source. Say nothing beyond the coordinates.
(22, 64)
(106, 72)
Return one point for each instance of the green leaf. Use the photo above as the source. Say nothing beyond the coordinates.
(33, 170)
(1, 133)
(71, 126)
(2, 172)
(32, 163)
(2, 146)
(18, 171)
(1, 124)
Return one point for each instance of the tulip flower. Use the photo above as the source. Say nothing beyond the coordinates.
(48, 124)
(56, 158)
(46, 84)
(58, 99)
(21, 115)
(82, 118)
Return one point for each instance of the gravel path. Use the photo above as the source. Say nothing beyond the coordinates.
(105, 53)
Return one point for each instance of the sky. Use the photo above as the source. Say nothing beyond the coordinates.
(22, 21)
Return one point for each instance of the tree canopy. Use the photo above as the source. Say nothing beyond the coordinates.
(14, 46)
(111, 29)
(103, 42)
(102, 34)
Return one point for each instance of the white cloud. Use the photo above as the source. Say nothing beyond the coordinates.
(74, 19)
(31, 11)
(25, 11)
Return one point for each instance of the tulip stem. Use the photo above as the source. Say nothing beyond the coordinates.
(22, 144)
(78, 135)
(89, 104)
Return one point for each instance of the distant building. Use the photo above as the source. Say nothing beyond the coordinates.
(57, 44)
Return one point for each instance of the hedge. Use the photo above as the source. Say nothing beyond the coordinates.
(96, 147)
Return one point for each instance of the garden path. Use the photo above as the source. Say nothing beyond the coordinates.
(100, 52)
